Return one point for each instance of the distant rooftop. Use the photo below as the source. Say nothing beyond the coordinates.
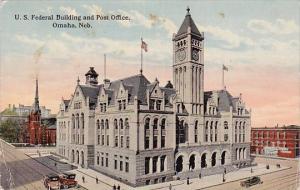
(296, 127)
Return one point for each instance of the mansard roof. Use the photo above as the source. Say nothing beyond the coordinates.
(188, 22)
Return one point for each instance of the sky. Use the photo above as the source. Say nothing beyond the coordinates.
(257, 40)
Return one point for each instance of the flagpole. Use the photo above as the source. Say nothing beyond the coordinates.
(141, 71)
(223, 85)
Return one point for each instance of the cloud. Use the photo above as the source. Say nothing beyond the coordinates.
(280, 26)
(27, 40)
(2, 3)
(232, 40)
(93, 9)
(68, 10)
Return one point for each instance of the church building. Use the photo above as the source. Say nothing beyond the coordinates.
(143, 132)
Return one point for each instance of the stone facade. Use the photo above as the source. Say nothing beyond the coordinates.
(144, 133)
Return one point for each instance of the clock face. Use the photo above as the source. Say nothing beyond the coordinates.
(181, 55)
(195, 55)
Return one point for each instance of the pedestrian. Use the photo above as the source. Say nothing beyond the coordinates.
(83, 179)
(225, 170)
(170, 186)
(114, 187)
(200, 175)
(97, 180)
(188, 180)
(118, 188)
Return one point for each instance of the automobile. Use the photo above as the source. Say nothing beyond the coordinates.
(51, 181)
(251, 181)
(67, 180)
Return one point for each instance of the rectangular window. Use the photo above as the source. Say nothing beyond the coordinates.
(158, 104)
(124, 104)
(163, 179)
(120, 105)
(216, 137)
(98, 160)
(147, 165)
(116, 141)
(106, 162)
(196, 138)
(107, 140)
(235, 138)
(116, 164)
(102, 140)
(162, 163)
(82, 139)
(151, 104)
(206, 137)
(98, 140)
(154, 141)
(127, 142)
(225, 137)
(147, 142)
(154, 164)
(102, 161)
(148, 182)
(121, 165)
(126, 167)
(122, 139)
(211, 138)
(163, 141)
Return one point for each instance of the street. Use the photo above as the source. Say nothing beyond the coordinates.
(282, 180)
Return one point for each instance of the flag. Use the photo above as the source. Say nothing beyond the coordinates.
(225, 68)
(144, 46)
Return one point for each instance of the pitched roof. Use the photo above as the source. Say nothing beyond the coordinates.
(90, 91)
(188, 22)
(225, 100)
(136, 86)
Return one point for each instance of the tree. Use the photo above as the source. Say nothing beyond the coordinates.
(10, 130)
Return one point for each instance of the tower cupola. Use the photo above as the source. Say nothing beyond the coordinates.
(91, 77)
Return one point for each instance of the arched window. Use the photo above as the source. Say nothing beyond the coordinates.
(116, 123)
(106, 124)
(121, 124)
(196, 131)
(126, 123)
(82, 120)
(102, 124)
(155, 122)
(147, 123)
(73, 121)
(77, 120)
(178, 108)
(98, 124)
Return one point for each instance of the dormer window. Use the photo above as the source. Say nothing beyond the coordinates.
(158, 104)
(151, 104)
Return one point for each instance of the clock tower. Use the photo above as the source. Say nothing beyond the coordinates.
(188, 65)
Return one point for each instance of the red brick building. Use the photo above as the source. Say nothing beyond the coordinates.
(40, 130)
(277, 141)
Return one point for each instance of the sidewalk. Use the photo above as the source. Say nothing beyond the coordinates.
(106, 182)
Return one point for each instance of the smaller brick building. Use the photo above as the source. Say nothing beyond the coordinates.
(277, 141)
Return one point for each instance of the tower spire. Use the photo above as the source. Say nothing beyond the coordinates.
(36, 99)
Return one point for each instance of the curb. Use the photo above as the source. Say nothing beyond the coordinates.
(242, 179)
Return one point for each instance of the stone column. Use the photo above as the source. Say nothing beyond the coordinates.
(158, 164)
(150, 165)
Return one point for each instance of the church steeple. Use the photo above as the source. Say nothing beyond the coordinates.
(36, 106)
